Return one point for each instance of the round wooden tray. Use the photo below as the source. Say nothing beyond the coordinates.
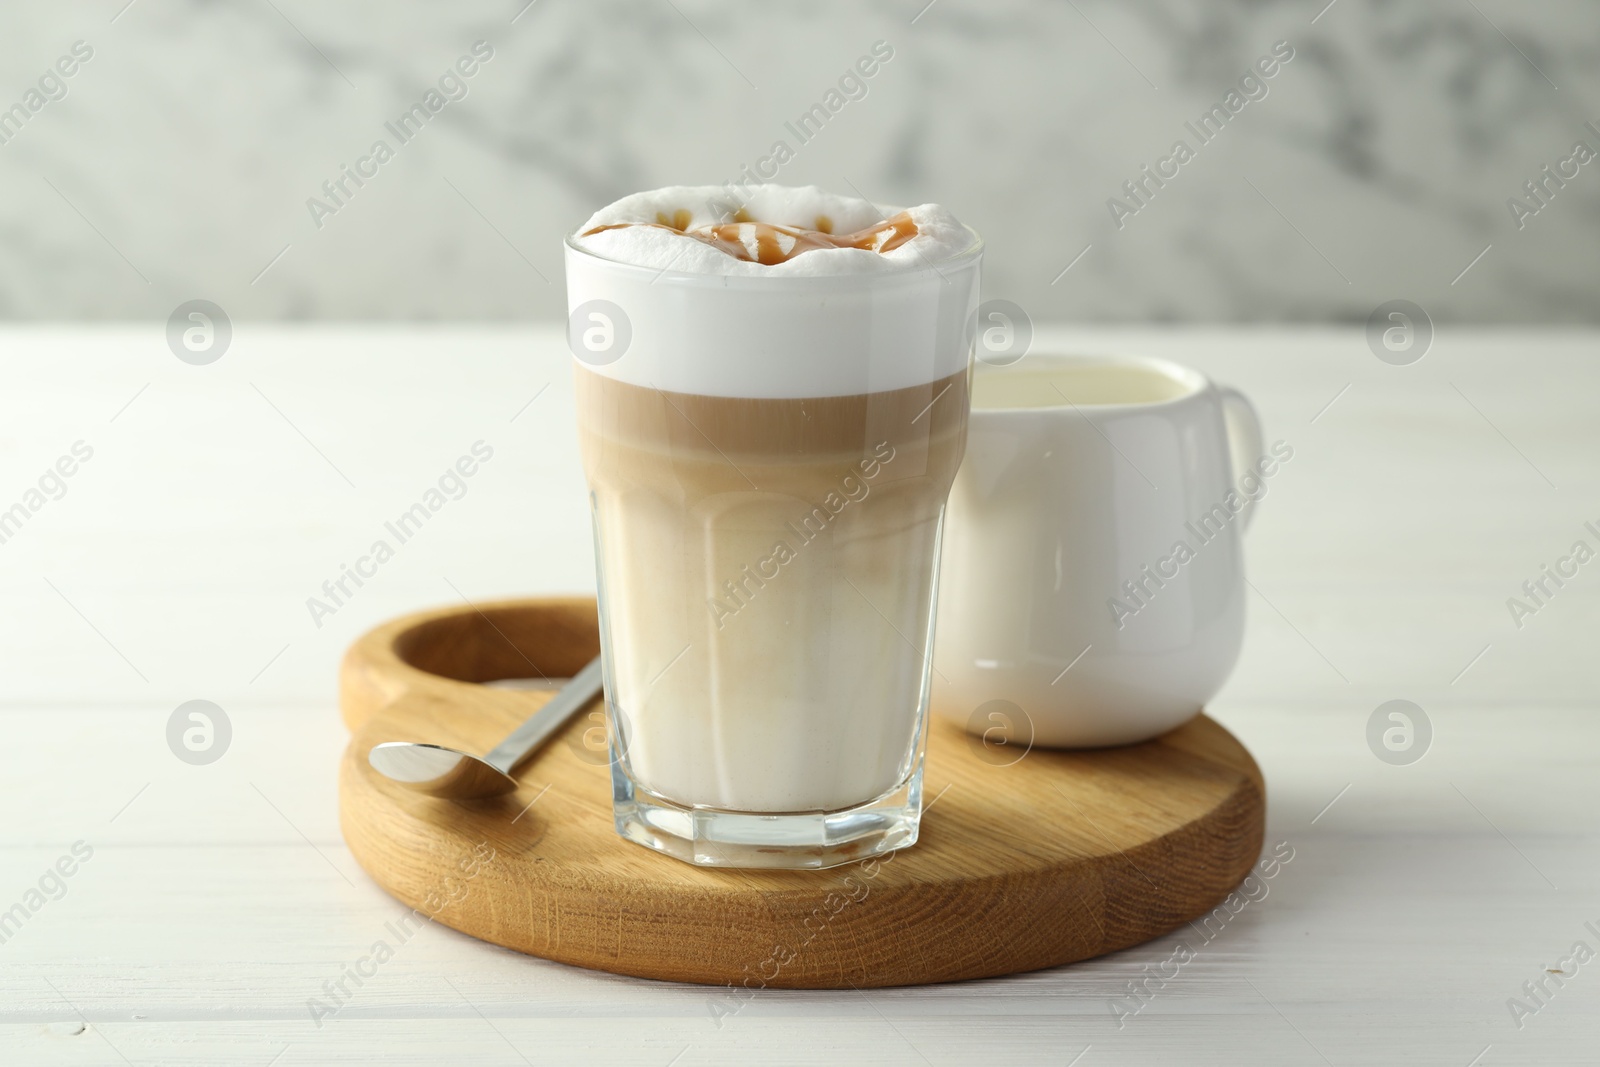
(1054, 858)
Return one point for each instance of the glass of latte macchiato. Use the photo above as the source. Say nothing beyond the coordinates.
(772, 403)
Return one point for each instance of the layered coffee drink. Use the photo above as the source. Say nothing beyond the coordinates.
(772, 398)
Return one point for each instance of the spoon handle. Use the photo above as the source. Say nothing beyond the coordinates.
(539, 727)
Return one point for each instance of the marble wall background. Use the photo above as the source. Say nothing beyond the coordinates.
(180, 159)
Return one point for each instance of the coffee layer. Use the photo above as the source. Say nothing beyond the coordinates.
(767, 569)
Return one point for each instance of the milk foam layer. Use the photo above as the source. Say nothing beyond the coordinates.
(830, 322)
(634, 234)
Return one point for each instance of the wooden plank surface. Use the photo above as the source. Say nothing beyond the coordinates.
(220, 898)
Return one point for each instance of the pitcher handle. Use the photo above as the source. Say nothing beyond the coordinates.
(1245, 442)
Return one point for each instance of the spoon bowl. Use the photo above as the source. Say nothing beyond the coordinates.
(439, 771)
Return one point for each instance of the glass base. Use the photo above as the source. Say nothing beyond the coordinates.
(805, 840)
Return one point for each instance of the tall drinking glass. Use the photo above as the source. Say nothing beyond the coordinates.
(768, 459)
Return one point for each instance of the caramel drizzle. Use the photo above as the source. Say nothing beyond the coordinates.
(767, 237)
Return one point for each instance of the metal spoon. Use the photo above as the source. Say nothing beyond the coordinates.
(444, 772)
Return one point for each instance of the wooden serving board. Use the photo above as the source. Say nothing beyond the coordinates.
(1054, 858)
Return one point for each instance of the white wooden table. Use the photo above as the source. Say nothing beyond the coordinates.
(219, 899)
